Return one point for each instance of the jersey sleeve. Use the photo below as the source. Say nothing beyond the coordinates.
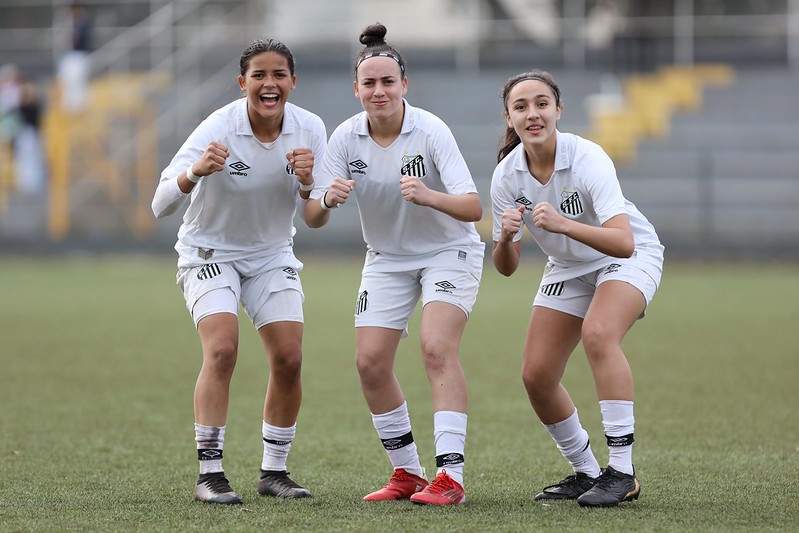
(502, 198)
(168, 197)
(449, 161)
(603, 186)
(334, 162)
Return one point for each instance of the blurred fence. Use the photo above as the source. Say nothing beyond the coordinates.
(694, 100)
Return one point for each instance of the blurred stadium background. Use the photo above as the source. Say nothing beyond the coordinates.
(695, 100)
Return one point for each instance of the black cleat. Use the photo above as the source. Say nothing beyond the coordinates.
(215, 488)
(611, 488)
(569, 488)
(278, 483)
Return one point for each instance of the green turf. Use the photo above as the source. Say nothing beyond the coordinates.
(98, 359)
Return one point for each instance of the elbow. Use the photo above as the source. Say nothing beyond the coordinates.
(626, 249)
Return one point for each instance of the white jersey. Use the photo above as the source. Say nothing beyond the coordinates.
(584, 188)
(393, 226)
(246, 210)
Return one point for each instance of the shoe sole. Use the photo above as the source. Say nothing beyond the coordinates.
(628, 498)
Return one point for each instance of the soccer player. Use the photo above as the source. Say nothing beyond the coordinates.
(418, 204)
(604, 266)
(245, 170)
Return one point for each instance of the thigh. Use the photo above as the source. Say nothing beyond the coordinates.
(442, 328)
(552, 336)
(614, 309)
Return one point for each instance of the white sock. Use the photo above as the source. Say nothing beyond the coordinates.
(573, 443)
(449, 431)
(619, 422)
(394, 430)
(210, 442)
(277, 443)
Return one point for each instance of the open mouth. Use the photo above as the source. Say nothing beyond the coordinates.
(270, 99)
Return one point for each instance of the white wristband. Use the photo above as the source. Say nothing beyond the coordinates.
(191, 176)
(306, 188)
(324, 205)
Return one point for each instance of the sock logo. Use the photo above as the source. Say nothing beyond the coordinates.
(623, 440)
(449, 459)
(208, 454)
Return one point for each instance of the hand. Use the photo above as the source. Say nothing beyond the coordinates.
(302, 160)
(338, 192)
(511, 223)
(413, 190)
(212, 160)
(546, 217)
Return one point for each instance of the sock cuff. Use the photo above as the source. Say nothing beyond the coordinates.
(393, 423)
(277, 433)
(449, 422)
(209, 437)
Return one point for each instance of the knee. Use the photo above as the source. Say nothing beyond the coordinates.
(287, 364)
(220, 356)
(436, 353)
(371, 365)
(538, 383)
(598, 340)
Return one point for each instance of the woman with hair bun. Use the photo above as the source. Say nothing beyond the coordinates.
(418, 204)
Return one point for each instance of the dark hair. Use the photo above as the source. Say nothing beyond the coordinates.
(510, 139)
(259, 46)
(373, 37)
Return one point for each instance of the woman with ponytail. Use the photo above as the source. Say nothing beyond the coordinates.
(604, 266)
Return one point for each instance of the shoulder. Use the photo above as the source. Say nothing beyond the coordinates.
(426, 121)
(222, 121)
(506, 169)
(584, 150)
(349, 126)
(303, 118)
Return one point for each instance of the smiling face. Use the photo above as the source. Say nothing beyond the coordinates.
(267, 84)
(380, 87)
(533, 113)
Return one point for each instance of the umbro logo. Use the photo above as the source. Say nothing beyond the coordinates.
(358, 167)
(239, 168)
(524, 201)
(445, 286)
(211, 454)
(613, 267)
(290, 273)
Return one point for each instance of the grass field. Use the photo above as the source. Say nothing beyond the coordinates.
(98, 359)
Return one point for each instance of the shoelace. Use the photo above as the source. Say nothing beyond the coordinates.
(219, 484)
(399, 477)
(563, 482)
(441, 484)
(283, 479)
(607, 479)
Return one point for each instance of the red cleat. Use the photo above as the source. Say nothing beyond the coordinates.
(401, 486)
(442, 491)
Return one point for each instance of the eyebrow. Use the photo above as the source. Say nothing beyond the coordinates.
(536, 97)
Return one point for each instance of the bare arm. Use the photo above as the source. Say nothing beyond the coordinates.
(463, 207)
(506, 253)
(614, 237)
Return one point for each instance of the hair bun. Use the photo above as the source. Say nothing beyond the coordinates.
(373, 34)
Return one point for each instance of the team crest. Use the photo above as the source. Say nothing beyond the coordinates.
(290, 170)
(413, 165)
(571, 204)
